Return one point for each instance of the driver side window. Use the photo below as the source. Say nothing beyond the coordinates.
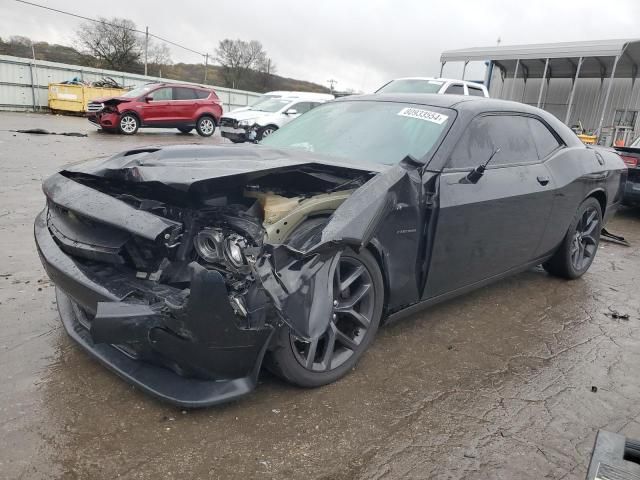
(301, 107)
(162, 94)
(484, 134)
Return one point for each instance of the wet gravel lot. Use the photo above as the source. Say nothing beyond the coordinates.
(495, 384)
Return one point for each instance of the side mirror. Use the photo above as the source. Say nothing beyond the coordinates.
(291, 111)
(148, 98)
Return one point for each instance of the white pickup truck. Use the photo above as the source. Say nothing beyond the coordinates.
(434, 85)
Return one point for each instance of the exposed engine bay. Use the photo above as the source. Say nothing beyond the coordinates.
(225, 232)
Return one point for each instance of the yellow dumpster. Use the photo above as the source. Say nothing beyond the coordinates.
(75, 98)
(588, 139)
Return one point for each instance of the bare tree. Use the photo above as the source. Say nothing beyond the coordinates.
(20, 40)
(114, 42)
(238, 59)
(159, 54)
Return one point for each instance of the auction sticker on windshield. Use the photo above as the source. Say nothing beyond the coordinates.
(421, 114)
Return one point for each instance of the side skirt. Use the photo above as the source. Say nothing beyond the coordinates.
(417, 307)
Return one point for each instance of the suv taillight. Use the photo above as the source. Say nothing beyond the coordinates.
(630, 162)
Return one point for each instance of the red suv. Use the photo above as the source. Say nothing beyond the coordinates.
(159, 105)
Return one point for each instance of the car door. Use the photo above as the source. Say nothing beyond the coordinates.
(495, 225)
(299, 107)
(157, 109)
(184, 104)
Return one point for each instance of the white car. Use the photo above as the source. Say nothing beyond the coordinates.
(266, 117)
(434, 85)
(283, 93)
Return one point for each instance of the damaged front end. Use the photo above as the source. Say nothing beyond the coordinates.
(179, 287)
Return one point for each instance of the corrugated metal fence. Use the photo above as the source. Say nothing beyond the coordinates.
(24, 83)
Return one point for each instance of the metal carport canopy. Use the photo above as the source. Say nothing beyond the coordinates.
(598, 58)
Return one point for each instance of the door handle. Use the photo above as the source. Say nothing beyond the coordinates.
(543, 180)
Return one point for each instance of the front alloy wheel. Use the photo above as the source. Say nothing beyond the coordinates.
(357, 307)
(129, 124)
(266, 131)
(353, 306)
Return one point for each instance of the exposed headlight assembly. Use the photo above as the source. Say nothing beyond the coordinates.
(234, 247)
(214, 245)
(245, 123)
(209, 244)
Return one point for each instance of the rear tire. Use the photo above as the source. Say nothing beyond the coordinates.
(580, 245)
(205, 126)
(185, 129)
(351, 330)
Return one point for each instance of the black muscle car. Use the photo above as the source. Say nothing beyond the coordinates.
(185, 268)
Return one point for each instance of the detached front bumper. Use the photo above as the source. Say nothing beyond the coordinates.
(108, 120)
(235, 134)
(191, 355)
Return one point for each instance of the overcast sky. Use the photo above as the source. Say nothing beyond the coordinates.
(361, 44)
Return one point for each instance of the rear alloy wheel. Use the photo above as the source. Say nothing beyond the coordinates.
(128, 124)
(205, 126)
(357, 309)
(580, 245)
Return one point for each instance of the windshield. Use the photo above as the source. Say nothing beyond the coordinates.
(136, 92)
(272, 105)
(411, 86)
(262, 99)
(636, 143)
(365, 131)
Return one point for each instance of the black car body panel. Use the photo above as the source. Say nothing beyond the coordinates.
(148, 297)
(631, 157)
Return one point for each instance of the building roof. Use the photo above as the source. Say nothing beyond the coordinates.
(598, 58)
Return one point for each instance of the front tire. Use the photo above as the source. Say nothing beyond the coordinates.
(358, 296)
(266, 131)
(579, 247)
(128, 124)
(205, 126)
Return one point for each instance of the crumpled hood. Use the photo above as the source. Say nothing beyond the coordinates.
(244, 114)
(181, 166)
(112, 100)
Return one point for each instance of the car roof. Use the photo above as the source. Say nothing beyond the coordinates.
(175, 84)
(439, 79)
(456, 102)
(293, 94)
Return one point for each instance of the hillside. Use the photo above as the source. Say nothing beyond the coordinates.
(188, 72)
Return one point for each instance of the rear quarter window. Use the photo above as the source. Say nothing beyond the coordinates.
(202, 94)
(545, 141)
(475, 91)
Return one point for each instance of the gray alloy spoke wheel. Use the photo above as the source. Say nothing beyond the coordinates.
(206, 126)
(266, 131)
(128, 124)
(584, 244)
(580, 245)
(353, 309)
